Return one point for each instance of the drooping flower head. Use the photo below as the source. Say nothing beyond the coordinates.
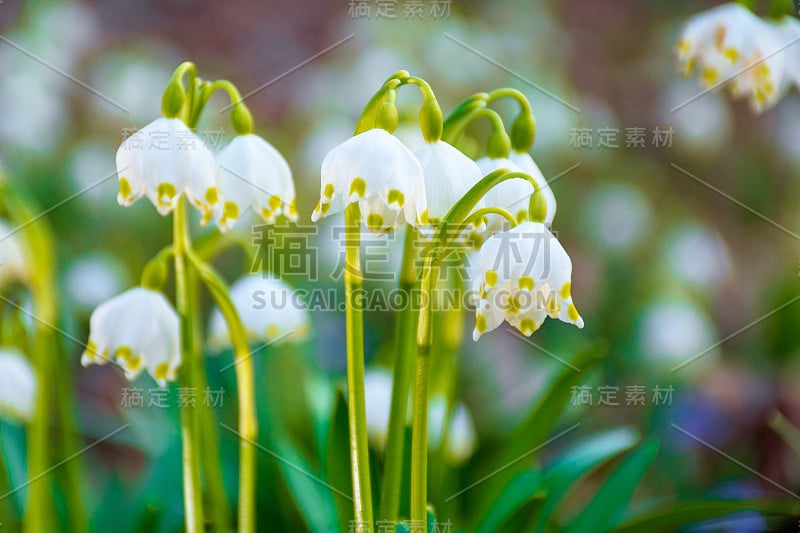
(164, 160)
(253, 173)
(138, 329)
(270, 311)
(17, 385)
(524, 277)
(376, 170)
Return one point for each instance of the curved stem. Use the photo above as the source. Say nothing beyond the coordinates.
(356, 406)
(248, 423)
(480, 213)
(192, 486)
(419, 431)
(456, 128)
(401, 385)
(507, 92)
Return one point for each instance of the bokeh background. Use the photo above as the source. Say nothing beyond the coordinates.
(685, 244)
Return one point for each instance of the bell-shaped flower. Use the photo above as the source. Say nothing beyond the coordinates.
(253, 173)
(269, 309)
(164, 160)
(13, 266)
(138, 329)
(730, 45)
(525, 162)
(17, 385)
(376, 170)
(524, 277)
(449, 174)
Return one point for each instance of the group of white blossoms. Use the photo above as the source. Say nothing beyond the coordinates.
(755, 58)
(139, 329)
(524, 272)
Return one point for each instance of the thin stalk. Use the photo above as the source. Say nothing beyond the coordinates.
(245, 378)
(356, 403)
(401, 385)
(419, 430)
(219, 512)
(190, 435)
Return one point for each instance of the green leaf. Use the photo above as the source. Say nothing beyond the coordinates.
(541, 420)
(523, 489)
(673, 516)
(577, 463)
(608, 506)
(314, 496)
(337, 459)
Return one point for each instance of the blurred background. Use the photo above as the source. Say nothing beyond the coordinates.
(679, 209)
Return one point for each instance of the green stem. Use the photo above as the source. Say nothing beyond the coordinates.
(219, 511)
(419, 430)
(401, 385)
(356, 408)
(245, 378)
(54, 383)
(480, 213)
(192, 486)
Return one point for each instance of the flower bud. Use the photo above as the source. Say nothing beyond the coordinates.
(523, 132)
(172, 99)
(241, 119)
(499, 144)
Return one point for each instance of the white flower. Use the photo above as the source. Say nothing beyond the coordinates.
(270, 311)
(376, 170)
(514, 195)
(729, 43)
(252, 172)
(449, 174)
(140, 329)
(525, 276)
(13, 266)
(164, 160)
(17, 385)
(461, 437)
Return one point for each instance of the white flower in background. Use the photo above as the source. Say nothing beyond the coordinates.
(164, 160)
(449, 174)
(140, 330)
(270, 311)
(618, 216)
(376, 170)
(461, 439)
(697, 255)
(17, 385)
(525, 276)
(514, 195)
(253, 172)
(730, 44)
(674, 330)
(13, 266)
(92, 279)
(378, 399)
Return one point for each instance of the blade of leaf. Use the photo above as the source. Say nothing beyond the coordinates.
(537, 426)
(337, 460)
(577, 463)
(670, 517)
(525, 486)
(608, 506)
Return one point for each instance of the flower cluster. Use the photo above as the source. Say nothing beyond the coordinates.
(393, 185)
(755, 58)
(248, 172)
